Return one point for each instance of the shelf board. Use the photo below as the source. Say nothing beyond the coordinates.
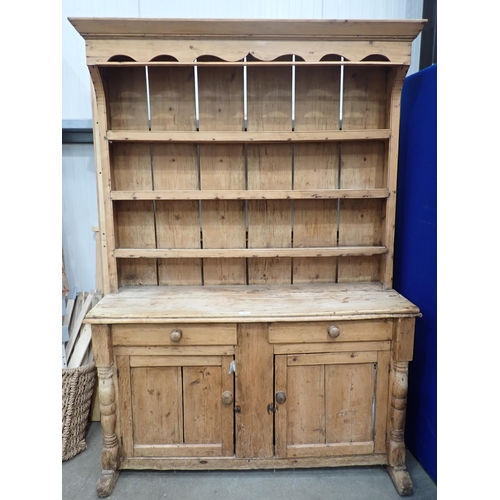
(219, 253)
(289, 194)
(247, 137)
(247, 64)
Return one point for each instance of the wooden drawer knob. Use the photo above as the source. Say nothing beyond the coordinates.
(176, 335)
(227, 398)
(333, 331)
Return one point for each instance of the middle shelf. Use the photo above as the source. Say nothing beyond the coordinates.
(217, 253)
(241, 136)
(245, 194)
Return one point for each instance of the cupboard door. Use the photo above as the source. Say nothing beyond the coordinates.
(336, 403)
(172, 406)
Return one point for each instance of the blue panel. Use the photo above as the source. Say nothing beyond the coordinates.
(415, 256)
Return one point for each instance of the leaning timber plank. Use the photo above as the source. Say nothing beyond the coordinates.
(64, 363)
(81, 346)
(70, 305)
(78, 323)
(79, 301)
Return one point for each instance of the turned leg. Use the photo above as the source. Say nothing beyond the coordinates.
(101, 344)
(396, 449)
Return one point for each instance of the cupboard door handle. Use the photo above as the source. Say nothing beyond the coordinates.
(333, 331)
(176, 335)
(227, 398)
(280, 397)
(271, 408)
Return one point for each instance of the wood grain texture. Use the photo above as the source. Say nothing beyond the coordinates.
(394, 89)
(157, 405)
(223, 222)
(269, 166)
(350, 331)
(135, 225)
(127, 98)
(254, 369)
(248, 137)
(317, 107)
(254, 194)
(360, 221)
(222, 167)
(349, 397)
(363, 165)
(404, 333)
(202, 404)
(125, 401)
(365, 98)
(178, 226)
(222, 463)
(221, 108)
(213, 304)
(175, 167)
(305, 405)
(172, 99)
(159, 335)
(128, 109)
(281, 416)
(245, 28)
(131, 166)
(103, 181)
(381, 401)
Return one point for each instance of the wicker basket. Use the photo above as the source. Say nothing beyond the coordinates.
(77, 389)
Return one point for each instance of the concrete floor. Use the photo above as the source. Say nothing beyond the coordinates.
(80, 475)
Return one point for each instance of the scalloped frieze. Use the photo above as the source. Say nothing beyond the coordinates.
(187, 51)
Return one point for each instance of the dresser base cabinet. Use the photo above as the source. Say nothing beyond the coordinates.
(293, 392)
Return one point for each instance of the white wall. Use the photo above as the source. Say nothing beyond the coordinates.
(78, 179)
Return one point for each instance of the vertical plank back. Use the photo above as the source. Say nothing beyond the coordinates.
(269, 167)
(135, 227)
(360, 221)
(222, 166)
(127, 98)
(175, 166)
(317, 107)
(134, 223)
(364, 98)
(360, 224)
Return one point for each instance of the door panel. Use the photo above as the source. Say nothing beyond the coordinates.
(335, 403)
(349, 397)
(157, 405)
(176, 406)
(306, 404)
